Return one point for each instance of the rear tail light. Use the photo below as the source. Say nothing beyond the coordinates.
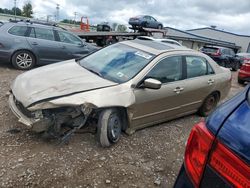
(246, 66)
(246, 60)
(229, 166)
(222, 160)
(197, 149)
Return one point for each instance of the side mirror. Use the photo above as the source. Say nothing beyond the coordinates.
(151, 83)
(81, 44)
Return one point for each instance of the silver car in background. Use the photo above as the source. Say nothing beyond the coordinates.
(123, 87)
(26, 44)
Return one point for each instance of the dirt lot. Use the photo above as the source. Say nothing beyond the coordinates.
(149, 158)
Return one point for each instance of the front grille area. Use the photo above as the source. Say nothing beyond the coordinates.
(23, 109)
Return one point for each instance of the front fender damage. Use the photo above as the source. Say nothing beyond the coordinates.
(78, 110)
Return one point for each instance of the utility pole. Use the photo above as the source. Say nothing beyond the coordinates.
(57, 12)
(15, 8)
(75, 13)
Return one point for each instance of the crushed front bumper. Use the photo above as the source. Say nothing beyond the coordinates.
(35, 124)
(21, 117)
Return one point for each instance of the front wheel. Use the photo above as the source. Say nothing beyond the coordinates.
(23, 60)
(109, 127)
(208, 105)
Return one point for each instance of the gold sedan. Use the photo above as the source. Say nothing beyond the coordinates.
(123, 87)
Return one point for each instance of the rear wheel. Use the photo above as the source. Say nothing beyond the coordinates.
(209, 105)
(160, 26)
(109, 127)
(23, 60)
(236, 66)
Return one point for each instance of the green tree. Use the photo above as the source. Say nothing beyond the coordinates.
(27, 10)
(18, 11)
(121, 28)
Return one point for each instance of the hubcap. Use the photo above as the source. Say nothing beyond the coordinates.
(24, 60)
(115, 128)
(210, 103)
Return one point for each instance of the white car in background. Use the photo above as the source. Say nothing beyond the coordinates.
(168, 41)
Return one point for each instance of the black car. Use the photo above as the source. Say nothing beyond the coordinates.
(26, 44)
(225, 57)
(217, 152)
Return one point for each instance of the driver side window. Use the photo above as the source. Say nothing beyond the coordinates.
(167, 70)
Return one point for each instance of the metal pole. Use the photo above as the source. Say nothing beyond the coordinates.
(15, 8)
(75, 18)
(57, 12)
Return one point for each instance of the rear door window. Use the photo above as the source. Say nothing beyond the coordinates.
(44, 33)
(32, 33)
(197, 66)
(18, 30)
(68, 38)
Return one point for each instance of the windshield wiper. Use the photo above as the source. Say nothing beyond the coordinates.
(97, 73)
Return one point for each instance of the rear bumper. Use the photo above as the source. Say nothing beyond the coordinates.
(183, 181)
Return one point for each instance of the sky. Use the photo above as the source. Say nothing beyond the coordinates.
(227, 15)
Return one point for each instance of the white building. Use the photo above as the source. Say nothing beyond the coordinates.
(240, 40)
(195, 41)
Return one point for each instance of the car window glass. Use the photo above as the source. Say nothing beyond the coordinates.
(196, 66)
(232, 52)
(18, 30)
(153, 19)
(42, 33)
(167, 70)
(117, 62)
(32, 33)
(209, 69)
(68, 38)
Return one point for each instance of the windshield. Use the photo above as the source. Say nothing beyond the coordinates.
(209, 50)
(118, 63)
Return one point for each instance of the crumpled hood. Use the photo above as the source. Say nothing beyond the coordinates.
(55, 80)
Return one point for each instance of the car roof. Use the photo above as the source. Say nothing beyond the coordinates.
(243, 54)
(154, 47)
(208, 46)
(160, 40)
(41, 25)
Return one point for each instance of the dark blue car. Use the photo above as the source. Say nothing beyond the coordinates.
(145, 21)
(218, 149)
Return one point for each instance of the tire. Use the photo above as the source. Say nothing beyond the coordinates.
(208, 105)
(109, 127)
(236, 66)
(23, 60)
(160, 26)
(241, 81)
(144, 24)
(223, 63)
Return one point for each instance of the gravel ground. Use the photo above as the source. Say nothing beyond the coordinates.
(149, 158)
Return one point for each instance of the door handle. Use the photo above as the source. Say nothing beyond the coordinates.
(34, 43)
(210, 81)
(178, 90)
